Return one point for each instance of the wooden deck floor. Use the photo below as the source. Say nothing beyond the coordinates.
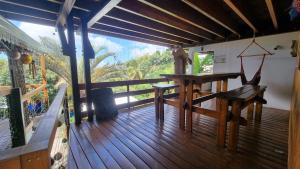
(137, 140)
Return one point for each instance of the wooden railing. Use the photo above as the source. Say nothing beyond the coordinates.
(36, 154)
(128, 92)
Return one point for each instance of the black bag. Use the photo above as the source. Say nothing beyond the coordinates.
(104, 104)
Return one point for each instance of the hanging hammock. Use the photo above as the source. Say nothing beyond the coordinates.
(257, 76)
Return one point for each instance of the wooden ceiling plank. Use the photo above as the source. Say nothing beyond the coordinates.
(240, 14)
(272, 13)
(99, 14)
(132, 27)
(180, 11)
(153, 14)
(65, 11)
(214, 12)
(133, 19)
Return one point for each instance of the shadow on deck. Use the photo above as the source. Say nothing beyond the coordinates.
(137, 140)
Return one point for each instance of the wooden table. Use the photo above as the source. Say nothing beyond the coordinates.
(186, 83)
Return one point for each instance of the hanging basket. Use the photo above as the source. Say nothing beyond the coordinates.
(26, 58)
(16, 55)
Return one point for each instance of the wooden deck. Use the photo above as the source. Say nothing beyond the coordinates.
(137, 140)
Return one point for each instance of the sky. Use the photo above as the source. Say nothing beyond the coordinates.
(124, 49)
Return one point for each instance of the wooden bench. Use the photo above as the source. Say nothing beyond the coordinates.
(238, 99)
(171, 99)
(159, 90)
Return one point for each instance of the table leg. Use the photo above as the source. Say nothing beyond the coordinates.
(234, 126)
(189, 107)
(222, 123)
(250, 111)
(225, 85)
(258, 109)
(182, 94)
(161, 105)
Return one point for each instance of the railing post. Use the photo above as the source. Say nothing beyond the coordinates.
(128, 98)
(16, 118)
(66, 113)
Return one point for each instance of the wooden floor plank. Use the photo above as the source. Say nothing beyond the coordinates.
(71, 161)
(115, 153)
(81, 160)
(105, 156)
(88, 149)
(137, 140)
(136, 161)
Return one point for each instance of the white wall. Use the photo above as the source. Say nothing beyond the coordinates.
(277, 72)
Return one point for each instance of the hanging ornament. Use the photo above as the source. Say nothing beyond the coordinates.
(16, 55)
(26, 58)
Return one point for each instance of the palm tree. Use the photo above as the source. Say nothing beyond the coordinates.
(59, 64)
(101, 71)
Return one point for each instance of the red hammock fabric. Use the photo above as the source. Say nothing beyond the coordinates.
(257, 76)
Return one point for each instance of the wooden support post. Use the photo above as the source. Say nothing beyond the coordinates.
(234, 126)
(189, 107)
(16, 118)
(222, 123)
(258, 109)
(88, 53)
(44, 79)
(74, 74)
(250, 111)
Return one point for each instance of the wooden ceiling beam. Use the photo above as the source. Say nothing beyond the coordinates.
(214, 12)
(236, 9)
(64, 12)
(11, 8)
(133, 19)
(96, 16)
(27, 18)
(128, 37)
(153, 14)
(134, 28)
(272, 13)
(185, 13)
(132, 33)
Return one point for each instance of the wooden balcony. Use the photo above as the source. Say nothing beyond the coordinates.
(136, 139)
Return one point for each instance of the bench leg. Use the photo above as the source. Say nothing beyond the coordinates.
(156, 101)
(161, 105)
(258, 110)
(234, 126)
(250, 111)
(222, 124)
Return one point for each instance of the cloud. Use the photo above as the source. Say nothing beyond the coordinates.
(142, 49)
(111, 46)
(35, 31)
